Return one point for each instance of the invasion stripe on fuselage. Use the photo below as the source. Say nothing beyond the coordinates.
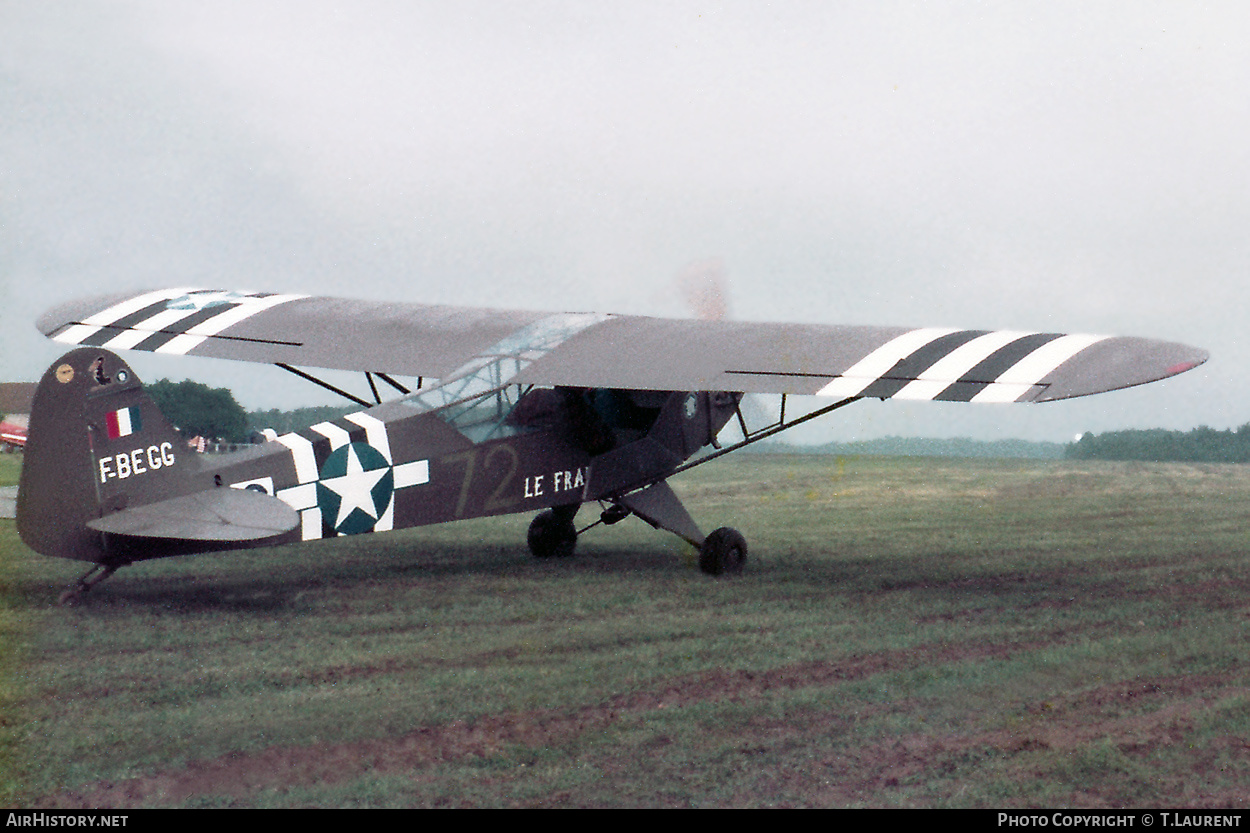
(375, 432)
(337, 436)
(310, 447)
(302, 456)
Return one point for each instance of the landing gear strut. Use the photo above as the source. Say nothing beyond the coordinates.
(552, 533)
(89, 579)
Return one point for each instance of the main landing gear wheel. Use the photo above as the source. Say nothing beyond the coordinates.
(724, 552)
(552, 534)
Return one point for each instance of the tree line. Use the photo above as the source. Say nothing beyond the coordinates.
(1200, 445)
(197, 410)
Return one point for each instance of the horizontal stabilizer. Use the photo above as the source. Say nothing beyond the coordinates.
(213, 515)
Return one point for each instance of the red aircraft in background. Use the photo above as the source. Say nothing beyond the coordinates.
(12, 436)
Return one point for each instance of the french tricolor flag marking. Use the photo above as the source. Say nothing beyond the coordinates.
(124, 422)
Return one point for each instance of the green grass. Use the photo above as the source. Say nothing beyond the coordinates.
(908, 633)
(14, 616)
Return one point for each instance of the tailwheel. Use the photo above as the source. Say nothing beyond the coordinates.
(724, 552)
(552, 533)
(89, 579)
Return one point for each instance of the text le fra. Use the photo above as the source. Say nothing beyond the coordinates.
(556, 482)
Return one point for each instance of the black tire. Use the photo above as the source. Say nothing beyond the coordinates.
(551, 535)
(724, 552)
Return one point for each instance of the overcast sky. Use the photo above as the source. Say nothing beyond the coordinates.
(1074, 167)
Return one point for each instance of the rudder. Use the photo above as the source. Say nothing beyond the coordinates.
(97, 444)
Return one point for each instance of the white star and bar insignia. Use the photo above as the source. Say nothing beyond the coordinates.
(355, 488)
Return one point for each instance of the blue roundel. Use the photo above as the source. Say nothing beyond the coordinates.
(204, 299)
(355, 488)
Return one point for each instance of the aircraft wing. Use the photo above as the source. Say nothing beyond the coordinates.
(405, 339)
(619, 351)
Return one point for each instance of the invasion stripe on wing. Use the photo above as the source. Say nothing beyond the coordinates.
(152, 337)
(983, 375)
(149, 322)
(958, 365)
(193, 337)
(79, 333)
(135, 333)
(877, 363)
(897, 377)
(932, 382)
(1035, 367)
(108, 333)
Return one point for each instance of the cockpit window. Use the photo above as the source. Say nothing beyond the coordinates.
(486, 417)
(477, 397)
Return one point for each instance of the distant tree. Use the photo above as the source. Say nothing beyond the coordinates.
(197, 410)
(286, 421)
(1200, 445)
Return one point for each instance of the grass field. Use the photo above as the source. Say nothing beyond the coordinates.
(908, 633)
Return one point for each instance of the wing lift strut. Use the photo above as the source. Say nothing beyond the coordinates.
(749, 437)
(620, 508)
(369, 377)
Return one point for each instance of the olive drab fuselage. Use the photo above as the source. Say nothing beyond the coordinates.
(392, 466)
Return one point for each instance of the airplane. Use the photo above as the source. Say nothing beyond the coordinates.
(12, 436)
(512, 411)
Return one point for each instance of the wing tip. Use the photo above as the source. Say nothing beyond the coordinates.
(1119, 363)
(1188, 364)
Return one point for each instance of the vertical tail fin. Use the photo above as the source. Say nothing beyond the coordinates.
(97, 444)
